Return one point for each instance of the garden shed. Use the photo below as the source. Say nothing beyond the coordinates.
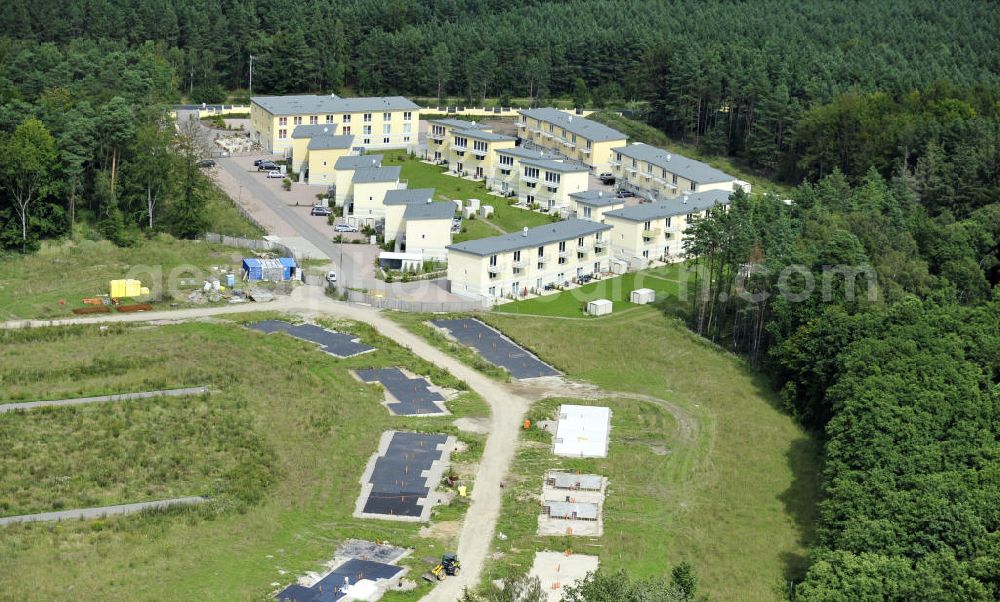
(642, 296)
(599, 307)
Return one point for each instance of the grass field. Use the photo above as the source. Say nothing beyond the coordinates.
(572, 303)
(506, 218)
(134, 451)
(637, 509)
(320, 422)
(223, 218)
(737, 496)
(32, 286)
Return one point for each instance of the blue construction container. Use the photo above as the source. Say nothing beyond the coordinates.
(283, 268)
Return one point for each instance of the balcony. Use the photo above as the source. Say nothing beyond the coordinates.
(632, 170)
(650, 233)
(517, 264)
(543, 258)
(436, 137)
(563, 253)
(459, 148)
(521, 124)
(567, 143)
(479, 154)
(613, 162)
(525, 178)
(582, 249)
(600, 244)
(585, 150)
(494, 269)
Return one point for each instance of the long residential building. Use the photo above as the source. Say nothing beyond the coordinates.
(655, 231)
(575, 137)
(376, 122)
(418, 223)
(511, 265)
(439, 136)
(657, 174)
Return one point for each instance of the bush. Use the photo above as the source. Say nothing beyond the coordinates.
(286, 184)
(212, 94)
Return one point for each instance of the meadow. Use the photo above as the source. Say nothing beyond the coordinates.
(737, 484)
(301, 406)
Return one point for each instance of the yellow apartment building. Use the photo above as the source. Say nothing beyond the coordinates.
(655, 231)
(575, 137)
(439, 133)
(344, 169)
(550, 182)
(511, 265)
(301, 136)
(376, 122)
(418, 223)
(473, 153)
(370, 185)
(506, 175)
(593, 204)
(656, 174)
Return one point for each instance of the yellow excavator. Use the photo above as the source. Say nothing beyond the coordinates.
(449, 566)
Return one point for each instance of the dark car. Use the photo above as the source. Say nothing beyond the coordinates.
(321, 211)
(267, 166)
(205, 163)
(607, 178)
(624, 194)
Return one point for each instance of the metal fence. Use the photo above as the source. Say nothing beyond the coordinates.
(254, 244)
(417, 306)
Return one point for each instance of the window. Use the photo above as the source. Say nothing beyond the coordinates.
(541, 252)
(667, 223)
(407, 115)
(460, 142)
(673, 179)
(367, 130)
(329, 118)
(479, 145)
(493, 261)
(347, 130)
(367, 141)
(517, 256)
(282, 134)
(618, 156)
(694, 187)
(407, 128)
(506, 160)
(531, 172)
(282, 121)
(386, 128)
(588, 146)
(551, 177)
(646, 226)
(406, 138)
(347, 118)
(313, 119)
(386, 116)
(586, 212)
(297, 120)
(368, 117)
(633, 163)
(689, 216)
(385, 140)
(663, 173)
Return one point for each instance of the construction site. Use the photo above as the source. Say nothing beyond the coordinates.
(572, 504)
(582, 431)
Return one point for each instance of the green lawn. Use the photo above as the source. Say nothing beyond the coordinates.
(33, 286)
(223, 218)
(572, 303)
(302, 406)
(735, 495)
(506, 218)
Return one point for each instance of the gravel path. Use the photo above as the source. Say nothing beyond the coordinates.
(100, 512)
(27, 405)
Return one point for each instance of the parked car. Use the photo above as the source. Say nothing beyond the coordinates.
(331, 276)
(205, 163)
(274, 173)
(345, 228)
(267, 166)
(607, 178)
(624, 194)
(320, 211)
(257, 162)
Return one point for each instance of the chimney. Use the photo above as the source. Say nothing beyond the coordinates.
(600, 194)
(326, 129)
(685, 199)
(524, 232)
(429, 200)
(668, 156)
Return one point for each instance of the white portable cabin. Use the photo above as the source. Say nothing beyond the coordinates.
(599, 307)
(642, 296)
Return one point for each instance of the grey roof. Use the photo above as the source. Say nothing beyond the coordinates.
(328, 142)
(534, 237)
(697, 201)
(409, 196)
(556, 165)
(367, 175)
(596, 198)
(311, 131)
(591, 130)
(566, 480)
(461, 124)
(483, 135)
(584, 510)
(522, 153)
(435, 210)
(305, 104)
(358, 161)
(689, 169)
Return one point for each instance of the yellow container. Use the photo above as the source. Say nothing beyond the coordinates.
(126, 288)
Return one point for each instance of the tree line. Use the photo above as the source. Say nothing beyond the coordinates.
(87, 136)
